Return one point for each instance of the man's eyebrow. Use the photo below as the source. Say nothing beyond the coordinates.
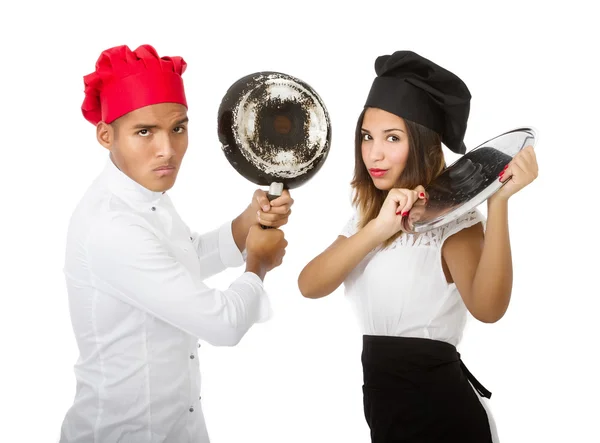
(144, 126)
(154, 125)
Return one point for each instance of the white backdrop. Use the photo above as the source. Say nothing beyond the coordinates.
(298, 377)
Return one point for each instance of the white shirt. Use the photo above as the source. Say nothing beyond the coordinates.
(402, 290)
(138, 306)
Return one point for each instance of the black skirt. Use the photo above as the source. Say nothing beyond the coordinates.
(417, 391)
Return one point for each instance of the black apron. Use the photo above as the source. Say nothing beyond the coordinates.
(417, 390)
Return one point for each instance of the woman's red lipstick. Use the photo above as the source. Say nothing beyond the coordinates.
(378, 173)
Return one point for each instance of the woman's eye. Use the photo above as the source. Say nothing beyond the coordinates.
(393, 138)
(366, 137)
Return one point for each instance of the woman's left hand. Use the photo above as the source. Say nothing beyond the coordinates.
(521, 171)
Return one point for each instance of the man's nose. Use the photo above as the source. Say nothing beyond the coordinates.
(165, 147)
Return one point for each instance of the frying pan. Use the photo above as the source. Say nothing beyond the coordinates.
(274, 130)
(468, 182)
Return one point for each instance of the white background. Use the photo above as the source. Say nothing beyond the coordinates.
(298, 377)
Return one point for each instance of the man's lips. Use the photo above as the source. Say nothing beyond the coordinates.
(163, 168)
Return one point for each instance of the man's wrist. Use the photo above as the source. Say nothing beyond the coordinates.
(241, 226)
(255, 266)
(248, 217)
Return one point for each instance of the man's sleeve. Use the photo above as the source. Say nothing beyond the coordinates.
(217, 250)
(128, 261)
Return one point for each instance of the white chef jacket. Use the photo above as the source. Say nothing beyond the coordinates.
(138, 306)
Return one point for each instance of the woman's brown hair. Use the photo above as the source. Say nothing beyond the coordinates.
(425, 162)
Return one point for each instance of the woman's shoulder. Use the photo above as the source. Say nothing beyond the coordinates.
(471, 218)
(351, 226)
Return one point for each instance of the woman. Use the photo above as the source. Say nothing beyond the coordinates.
(412, 292)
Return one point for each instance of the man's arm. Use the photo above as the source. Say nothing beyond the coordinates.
(224, 248)
(242, 224)
(218, 250)
(129, 262)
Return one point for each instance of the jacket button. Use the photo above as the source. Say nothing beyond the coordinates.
(153, 208)
(191, 409)
(192, 356)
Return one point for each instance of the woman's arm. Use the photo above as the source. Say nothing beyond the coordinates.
(481, 266)
(326, 272)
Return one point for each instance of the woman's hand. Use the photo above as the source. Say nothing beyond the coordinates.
(397, 205)
(520, 172)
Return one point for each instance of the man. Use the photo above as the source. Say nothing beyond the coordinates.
(134, 270)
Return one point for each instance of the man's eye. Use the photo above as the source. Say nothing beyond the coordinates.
(143, 132)
(179, 130)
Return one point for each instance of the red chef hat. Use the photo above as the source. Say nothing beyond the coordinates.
(125, 81)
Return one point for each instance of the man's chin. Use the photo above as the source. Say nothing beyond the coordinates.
(161, 186)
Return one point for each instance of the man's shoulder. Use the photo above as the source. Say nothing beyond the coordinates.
(99, 212)
(106, 233)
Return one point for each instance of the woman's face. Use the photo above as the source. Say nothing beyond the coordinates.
(384, 147)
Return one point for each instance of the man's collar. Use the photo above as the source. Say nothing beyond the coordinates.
(128, 189)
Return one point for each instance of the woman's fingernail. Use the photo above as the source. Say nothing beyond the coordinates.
(266, 208)
(421, 195)
(404, 214)
(501, 174)
(506, 167)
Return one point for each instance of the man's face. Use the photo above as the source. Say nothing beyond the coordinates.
(148, 144)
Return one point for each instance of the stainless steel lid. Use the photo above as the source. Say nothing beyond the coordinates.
(468, 182)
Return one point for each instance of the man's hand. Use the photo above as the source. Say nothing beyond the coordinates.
(273, 213)
(261, 211)
(266, 248)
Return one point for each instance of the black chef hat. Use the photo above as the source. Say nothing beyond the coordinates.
(412, 87)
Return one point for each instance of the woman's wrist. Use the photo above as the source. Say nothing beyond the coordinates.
(497, 201)
(374, 233)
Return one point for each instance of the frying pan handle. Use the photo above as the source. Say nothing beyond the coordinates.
(275, 190)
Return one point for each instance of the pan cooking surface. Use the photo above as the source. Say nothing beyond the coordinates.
(280, 126)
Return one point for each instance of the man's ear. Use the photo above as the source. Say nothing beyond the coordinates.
(105, 134)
